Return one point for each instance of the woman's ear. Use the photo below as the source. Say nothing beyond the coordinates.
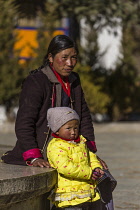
(57, 133)
(50, 58)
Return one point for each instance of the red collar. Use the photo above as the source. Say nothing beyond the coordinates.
(67, 90)
(76, 140)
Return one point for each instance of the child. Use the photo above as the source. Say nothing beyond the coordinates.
(77, 167)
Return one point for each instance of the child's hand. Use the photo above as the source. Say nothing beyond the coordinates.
(96, 173)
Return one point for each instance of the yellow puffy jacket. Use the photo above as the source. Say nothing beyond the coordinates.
(74, 164)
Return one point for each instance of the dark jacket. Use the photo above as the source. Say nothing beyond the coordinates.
(35, 100)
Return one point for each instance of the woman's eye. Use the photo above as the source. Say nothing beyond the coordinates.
(74, 58)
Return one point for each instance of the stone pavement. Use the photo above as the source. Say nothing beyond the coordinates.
(118, 145)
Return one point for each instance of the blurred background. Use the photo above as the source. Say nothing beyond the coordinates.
(107, 34)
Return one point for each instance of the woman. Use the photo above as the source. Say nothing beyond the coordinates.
(54, 84)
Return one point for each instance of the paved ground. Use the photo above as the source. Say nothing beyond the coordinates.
(120, 149)
(119, 145)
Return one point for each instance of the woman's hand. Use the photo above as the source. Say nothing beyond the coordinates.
(97, 173)
(103, 164)
(41, 163)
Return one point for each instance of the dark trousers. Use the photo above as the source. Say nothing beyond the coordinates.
(97, 205)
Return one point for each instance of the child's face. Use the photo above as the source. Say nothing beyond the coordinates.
(70, 130)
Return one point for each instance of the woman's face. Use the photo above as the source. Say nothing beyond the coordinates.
(64, 61)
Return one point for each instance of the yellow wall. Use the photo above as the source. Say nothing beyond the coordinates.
(26, 40)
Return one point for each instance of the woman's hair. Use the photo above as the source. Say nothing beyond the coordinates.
(57, 44)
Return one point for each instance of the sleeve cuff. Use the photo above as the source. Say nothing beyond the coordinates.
(91, 146)
(32, 153)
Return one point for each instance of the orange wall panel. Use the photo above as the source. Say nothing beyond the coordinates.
(26, 41)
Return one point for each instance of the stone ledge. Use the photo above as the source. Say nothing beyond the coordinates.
(19, 183)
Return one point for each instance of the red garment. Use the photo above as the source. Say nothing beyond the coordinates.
(67, 90)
